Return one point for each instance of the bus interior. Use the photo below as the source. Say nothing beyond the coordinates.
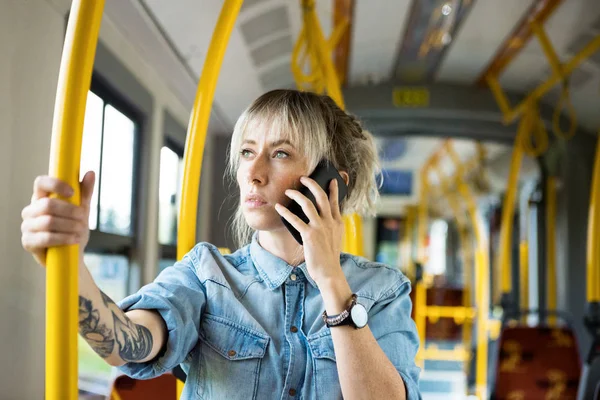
(486, 116)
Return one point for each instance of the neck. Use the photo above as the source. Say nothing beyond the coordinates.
(282, 244)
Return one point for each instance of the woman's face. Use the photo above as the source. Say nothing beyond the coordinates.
(269, 164)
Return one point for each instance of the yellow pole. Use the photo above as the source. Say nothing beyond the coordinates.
(319, 49)
(62, 289)
(422, 219)
(593, 243)
(551, 245)
(421, 289)
(406, 244)
(451, 196)
(524, 275)
(420, 319)
(559, 74)
(482, 273)
(468, 276)
(322, 50)
(196, 135)
(508, 207)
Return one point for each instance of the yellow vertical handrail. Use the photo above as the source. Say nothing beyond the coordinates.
(508, 207)
(420, 319)
(197, 130)
(421, 287)
(593, 242)
(482, 276)
(406, 244)
(524, 275)
(461, 224)
(319, 52)
(422, 220)
(62, 289)
(551, 246)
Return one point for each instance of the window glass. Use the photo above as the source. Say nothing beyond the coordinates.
(117, 173)
(436, 264)
(171, 174)
(90, 148)
(388, 236)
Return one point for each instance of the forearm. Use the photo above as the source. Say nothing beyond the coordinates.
(116, 336)
(363, 368)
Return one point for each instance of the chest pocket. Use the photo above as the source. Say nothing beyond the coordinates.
(326, 377)
(229, 359)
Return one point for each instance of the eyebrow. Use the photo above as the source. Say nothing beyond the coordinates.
(273, 144)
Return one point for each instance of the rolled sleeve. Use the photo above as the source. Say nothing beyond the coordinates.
(179, 297)
(396, 334)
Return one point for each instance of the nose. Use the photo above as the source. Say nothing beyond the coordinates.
(256, 173)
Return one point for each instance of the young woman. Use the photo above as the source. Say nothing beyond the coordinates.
(274, 320)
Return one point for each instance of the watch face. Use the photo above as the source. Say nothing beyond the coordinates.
(359, 315)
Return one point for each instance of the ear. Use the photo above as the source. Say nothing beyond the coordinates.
(345, 177)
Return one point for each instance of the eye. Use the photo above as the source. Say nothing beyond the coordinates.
(281, 154)
(245, 153)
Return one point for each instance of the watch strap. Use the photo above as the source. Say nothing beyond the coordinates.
(342, 318)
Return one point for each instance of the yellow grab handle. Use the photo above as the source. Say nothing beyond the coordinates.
(564, 101)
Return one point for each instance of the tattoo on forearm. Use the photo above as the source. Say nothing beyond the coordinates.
(135, 341)
(99, 337)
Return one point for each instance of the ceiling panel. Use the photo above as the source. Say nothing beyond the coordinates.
(378, 29)
(271, 50)
(272, 21)
(478, 39)
(569, 21)
(586, 101)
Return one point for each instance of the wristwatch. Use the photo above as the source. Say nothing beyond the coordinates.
(355, 315)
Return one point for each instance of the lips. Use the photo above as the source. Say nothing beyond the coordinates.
(255, 200)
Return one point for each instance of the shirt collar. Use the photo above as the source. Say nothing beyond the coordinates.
(272, 269)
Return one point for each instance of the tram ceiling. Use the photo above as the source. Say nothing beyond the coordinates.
(383, 43)
(445, 110)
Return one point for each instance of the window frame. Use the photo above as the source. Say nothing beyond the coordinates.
(105, 243)
(169, 251)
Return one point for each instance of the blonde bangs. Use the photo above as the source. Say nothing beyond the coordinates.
(285, 119)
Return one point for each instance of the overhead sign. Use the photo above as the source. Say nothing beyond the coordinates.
(410, 97)
(396, 182)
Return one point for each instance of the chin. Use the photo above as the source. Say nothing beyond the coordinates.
(263, 221)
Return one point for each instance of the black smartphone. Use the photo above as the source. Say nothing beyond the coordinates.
(323, 174)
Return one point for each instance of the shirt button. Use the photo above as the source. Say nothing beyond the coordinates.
(292, 392)
(294, 330)
(293, 277)
(231, 353)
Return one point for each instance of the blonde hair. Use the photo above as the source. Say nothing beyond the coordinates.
(317, 125)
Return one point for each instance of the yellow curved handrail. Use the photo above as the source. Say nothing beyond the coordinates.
(197, 129)
(551, 281)
(62, 289)
(196, 135)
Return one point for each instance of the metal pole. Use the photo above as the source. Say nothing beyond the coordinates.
(62, 289)
(197, 129)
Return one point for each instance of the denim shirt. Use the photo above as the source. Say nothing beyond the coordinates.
(248, 325)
